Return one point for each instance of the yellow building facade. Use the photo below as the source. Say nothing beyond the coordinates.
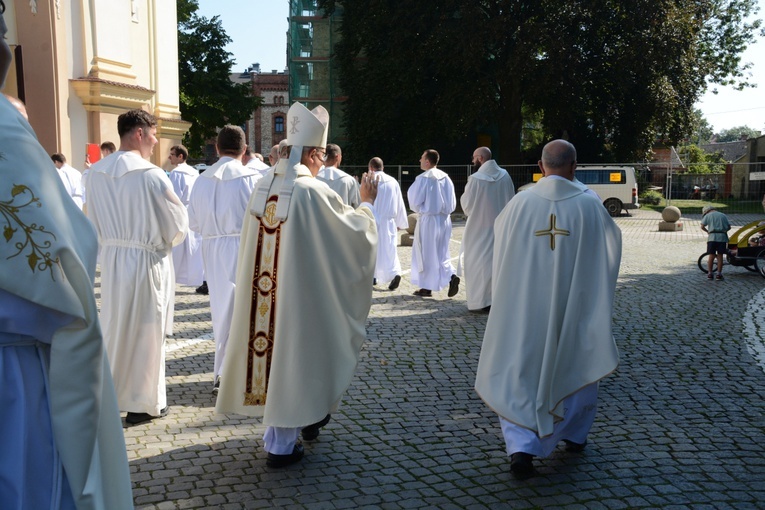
(79, 64)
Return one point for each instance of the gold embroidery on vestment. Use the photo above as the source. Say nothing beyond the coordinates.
(262, 307)
(38, 258)
(552, 231)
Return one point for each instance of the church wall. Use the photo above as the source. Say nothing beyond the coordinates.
(86, 62)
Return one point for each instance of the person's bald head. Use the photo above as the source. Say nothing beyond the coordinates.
(283, 149)
(481, 155)
(273, 156)
(558, 158)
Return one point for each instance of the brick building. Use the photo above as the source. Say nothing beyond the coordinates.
(266, 127)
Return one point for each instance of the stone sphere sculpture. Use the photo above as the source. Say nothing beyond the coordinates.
(670, 214)
(412, 223)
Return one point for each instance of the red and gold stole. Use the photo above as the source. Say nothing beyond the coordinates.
(263, 307)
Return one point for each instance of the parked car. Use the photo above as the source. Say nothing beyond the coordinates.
(615, 185)
(201, 167)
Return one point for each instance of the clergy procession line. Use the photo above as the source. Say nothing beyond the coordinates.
(678, 424)
(254, 228)
(291, 255)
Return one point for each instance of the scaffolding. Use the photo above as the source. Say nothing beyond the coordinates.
(313, 71)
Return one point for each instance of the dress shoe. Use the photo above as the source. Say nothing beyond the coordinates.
(423, 293)
(483, 310)
(521, 466)
(574, 447)
(136, 418)
(216, 386)
(311, 432)
(202, 289)
(394, 282)
(279, 461)
(454, 286)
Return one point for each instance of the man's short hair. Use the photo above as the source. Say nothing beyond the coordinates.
(376, 164)
(432, 156)
(559, 155)
(109, 147)
(231, 140)
(58, 158)
(180, 150)
(132, 119)
(333, 151)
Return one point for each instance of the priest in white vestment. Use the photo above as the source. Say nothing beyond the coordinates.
(254, 161)
(71, 177)
(217, 208)
(548, 337)
(187, 256)
(390, 214)
(61, 439)
(139, 219)
(487, 192)
(340, 182)
(302, 297)
(432, 197)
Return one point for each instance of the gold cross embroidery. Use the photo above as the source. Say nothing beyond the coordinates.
(552, 231)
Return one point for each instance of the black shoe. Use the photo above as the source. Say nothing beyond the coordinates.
(374, 281)
(454, 286)
(202, 289)
(136, 418)
(216, 386)
(280, 461)
(423, 293)
(521, 466)
(395, 282)
(311, 432)
(485, 309)
(574, 447)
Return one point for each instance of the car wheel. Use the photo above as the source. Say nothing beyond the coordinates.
(613, 206)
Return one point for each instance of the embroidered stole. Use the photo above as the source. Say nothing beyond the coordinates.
(263, 306)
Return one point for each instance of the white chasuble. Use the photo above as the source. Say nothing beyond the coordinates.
(303, 293)
(548, 335)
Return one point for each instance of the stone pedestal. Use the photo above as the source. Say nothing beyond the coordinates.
(670, 226)
(670, 215)
(407, 238)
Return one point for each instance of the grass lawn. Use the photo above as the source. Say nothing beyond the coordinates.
(731, 206)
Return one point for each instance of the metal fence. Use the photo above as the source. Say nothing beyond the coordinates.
(739, 187)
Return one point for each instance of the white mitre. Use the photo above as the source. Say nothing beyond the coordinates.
(306, 128)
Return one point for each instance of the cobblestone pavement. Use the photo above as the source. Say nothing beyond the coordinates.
(680, 424)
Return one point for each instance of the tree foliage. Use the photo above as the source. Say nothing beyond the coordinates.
(611, 76)
(737, 133)
(701, 131)
(700, 162)
(209, 99)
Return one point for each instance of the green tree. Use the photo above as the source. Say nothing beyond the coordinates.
(611, 76)
(736, 133)
(700, 162)
(209, 99)
(701, 130)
